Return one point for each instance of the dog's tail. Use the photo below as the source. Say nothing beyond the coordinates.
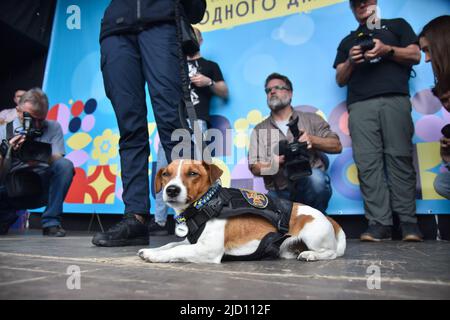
(341, 242)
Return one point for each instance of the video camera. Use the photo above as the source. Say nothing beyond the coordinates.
(296, 154)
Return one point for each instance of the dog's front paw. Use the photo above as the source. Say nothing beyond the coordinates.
(307, 256)
(145, 254)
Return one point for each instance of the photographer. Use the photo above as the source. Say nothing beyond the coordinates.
(375, 62)
(33, 170)
(435, 43)
(298, 171)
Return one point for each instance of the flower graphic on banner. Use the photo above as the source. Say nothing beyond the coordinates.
(77, 120)
(105, 146)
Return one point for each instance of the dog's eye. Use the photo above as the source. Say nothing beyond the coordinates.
(165, 174)
(192, 174)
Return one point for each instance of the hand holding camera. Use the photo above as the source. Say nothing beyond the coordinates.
(17, 141)
(295, 154)
(356, 55)
(305, 137)
(379, 50)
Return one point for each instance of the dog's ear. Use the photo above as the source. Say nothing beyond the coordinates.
(214, 172)
(158, 180)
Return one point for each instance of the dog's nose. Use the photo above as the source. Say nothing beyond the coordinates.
(173, 191)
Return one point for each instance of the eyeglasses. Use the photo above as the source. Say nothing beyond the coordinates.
(267, 90)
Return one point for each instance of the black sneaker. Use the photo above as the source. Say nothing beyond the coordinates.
(55, 231)
(128, 232)
(411, 232)
(8, 220)
(155, 229)
(377, 232)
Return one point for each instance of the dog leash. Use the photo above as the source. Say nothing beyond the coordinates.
(195, 129)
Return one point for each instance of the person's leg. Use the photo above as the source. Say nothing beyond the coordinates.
(398, 129)
(314, 190)
(125, 87)
(161, 67)
(367, 144)
(442, 184)
(161, 207)
(61, 176)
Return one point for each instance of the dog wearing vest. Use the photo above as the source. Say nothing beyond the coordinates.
(191, 187)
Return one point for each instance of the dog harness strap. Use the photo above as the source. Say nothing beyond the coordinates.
(268, 249)
(283, 206)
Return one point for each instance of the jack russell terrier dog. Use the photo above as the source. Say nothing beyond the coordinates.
(237, 223)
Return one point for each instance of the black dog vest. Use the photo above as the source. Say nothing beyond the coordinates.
(222, 203)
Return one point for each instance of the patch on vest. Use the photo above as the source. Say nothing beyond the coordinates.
(255, 199)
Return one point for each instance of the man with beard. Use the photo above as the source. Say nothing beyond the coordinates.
(313, 190)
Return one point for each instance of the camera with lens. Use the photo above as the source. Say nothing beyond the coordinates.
(365, 41)
(28, 128)
(296, 154)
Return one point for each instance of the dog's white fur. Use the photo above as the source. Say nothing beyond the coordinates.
(319, 236)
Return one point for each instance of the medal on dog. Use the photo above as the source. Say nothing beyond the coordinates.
(255, 199)
(181, 230)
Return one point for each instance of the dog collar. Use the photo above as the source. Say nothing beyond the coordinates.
(200, 203)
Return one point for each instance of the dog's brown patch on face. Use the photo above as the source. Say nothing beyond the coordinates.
(297, 222)
(243, 229)
(164, 175)
(195, 178)
(336, 226)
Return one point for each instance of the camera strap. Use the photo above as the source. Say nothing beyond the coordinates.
(7, 160)
(195, 129)
(9, 130)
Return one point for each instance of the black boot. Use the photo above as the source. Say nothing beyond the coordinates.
(128, 232)
(377, 232)
(411, 232)
(55, 231)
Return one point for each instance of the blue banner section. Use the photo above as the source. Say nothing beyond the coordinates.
(301, 46)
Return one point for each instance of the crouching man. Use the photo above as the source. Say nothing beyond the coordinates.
(33, 170)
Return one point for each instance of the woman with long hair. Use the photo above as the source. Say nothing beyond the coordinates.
(435, 43)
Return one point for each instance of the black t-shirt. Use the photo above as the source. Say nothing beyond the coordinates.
(201, 97)
(380, 76)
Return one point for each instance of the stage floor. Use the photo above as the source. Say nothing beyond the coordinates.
(34, 267)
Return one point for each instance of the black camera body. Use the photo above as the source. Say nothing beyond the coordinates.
(296, 154)
(365, 41)
(28, 129)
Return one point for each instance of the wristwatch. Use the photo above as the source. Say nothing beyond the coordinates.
(390, 53)
(212, 83)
